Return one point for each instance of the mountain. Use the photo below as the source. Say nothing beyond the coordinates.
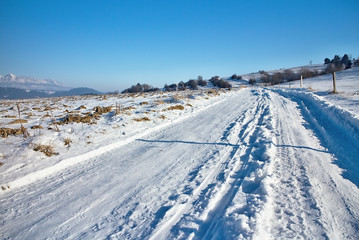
(14, 87)
(17, 93)
(78, 91)
(12, 81)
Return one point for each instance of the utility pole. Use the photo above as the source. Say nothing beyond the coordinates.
(334, 83)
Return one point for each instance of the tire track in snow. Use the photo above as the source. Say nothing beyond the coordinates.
(234, 164)
(309, 198)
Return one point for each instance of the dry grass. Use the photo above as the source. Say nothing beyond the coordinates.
(37, 127)
(176, 98)
(67, 141)
(89, 119)
(213, 92)
(163, 117)
(189, 105)
(176, 107)
(144, 103)
(144, 119)
(102, 110)
(129, 108)
(159, 102)
(5, 132)
(81, 107)
(18, 121)
(48, 150)
(10, 116)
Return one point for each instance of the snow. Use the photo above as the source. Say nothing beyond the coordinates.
(250, 163)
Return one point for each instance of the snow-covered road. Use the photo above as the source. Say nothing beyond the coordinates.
(263, 164)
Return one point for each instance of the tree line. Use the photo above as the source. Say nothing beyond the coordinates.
(339, 63)
(192, 84)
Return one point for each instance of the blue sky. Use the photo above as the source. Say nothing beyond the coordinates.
(111, 45)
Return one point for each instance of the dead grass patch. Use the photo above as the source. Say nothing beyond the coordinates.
(129, 108)
(163, 117)
(176, 107)
(37, 127)
(18, 121)
(102, 110)
(10, 116)
(144, 119)
(143, 103)
(5, 132)
(213, 92)
(46, 115)
(48, 150)
(71, 118)
(81, 107)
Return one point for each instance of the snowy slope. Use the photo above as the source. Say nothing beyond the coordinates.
(254, 163)
(347, 83)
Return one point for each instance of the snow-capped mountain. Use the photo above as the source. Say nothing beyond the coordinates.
(29, 83)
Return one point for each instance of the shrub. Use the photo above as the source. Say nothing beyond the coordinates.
(265, 78)
(217, 82)
(181, 86)
(333, 68)
(277, 78)
(252, 81)
(192, 84)
(290, 75)
(202, 83)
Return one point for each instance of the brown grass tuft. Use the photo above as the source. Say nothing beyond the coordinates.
(5, 132)
(18, 121)
(176, 107)
(81, 107)
(67, 141)
(141, 119)
(143, 103)
(128, 108)
(89, 119)
(48, 150)
(102, 110)
(213, 91)
(37, 127)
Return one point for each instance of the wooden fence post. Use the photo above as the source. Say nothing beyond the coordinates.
(334, 83)
(301, 81)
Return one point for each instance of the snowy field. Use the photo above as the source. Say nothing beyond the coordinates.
(250, 163)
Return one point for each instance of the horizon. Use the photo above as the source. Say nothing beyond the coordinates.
(112, 45)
